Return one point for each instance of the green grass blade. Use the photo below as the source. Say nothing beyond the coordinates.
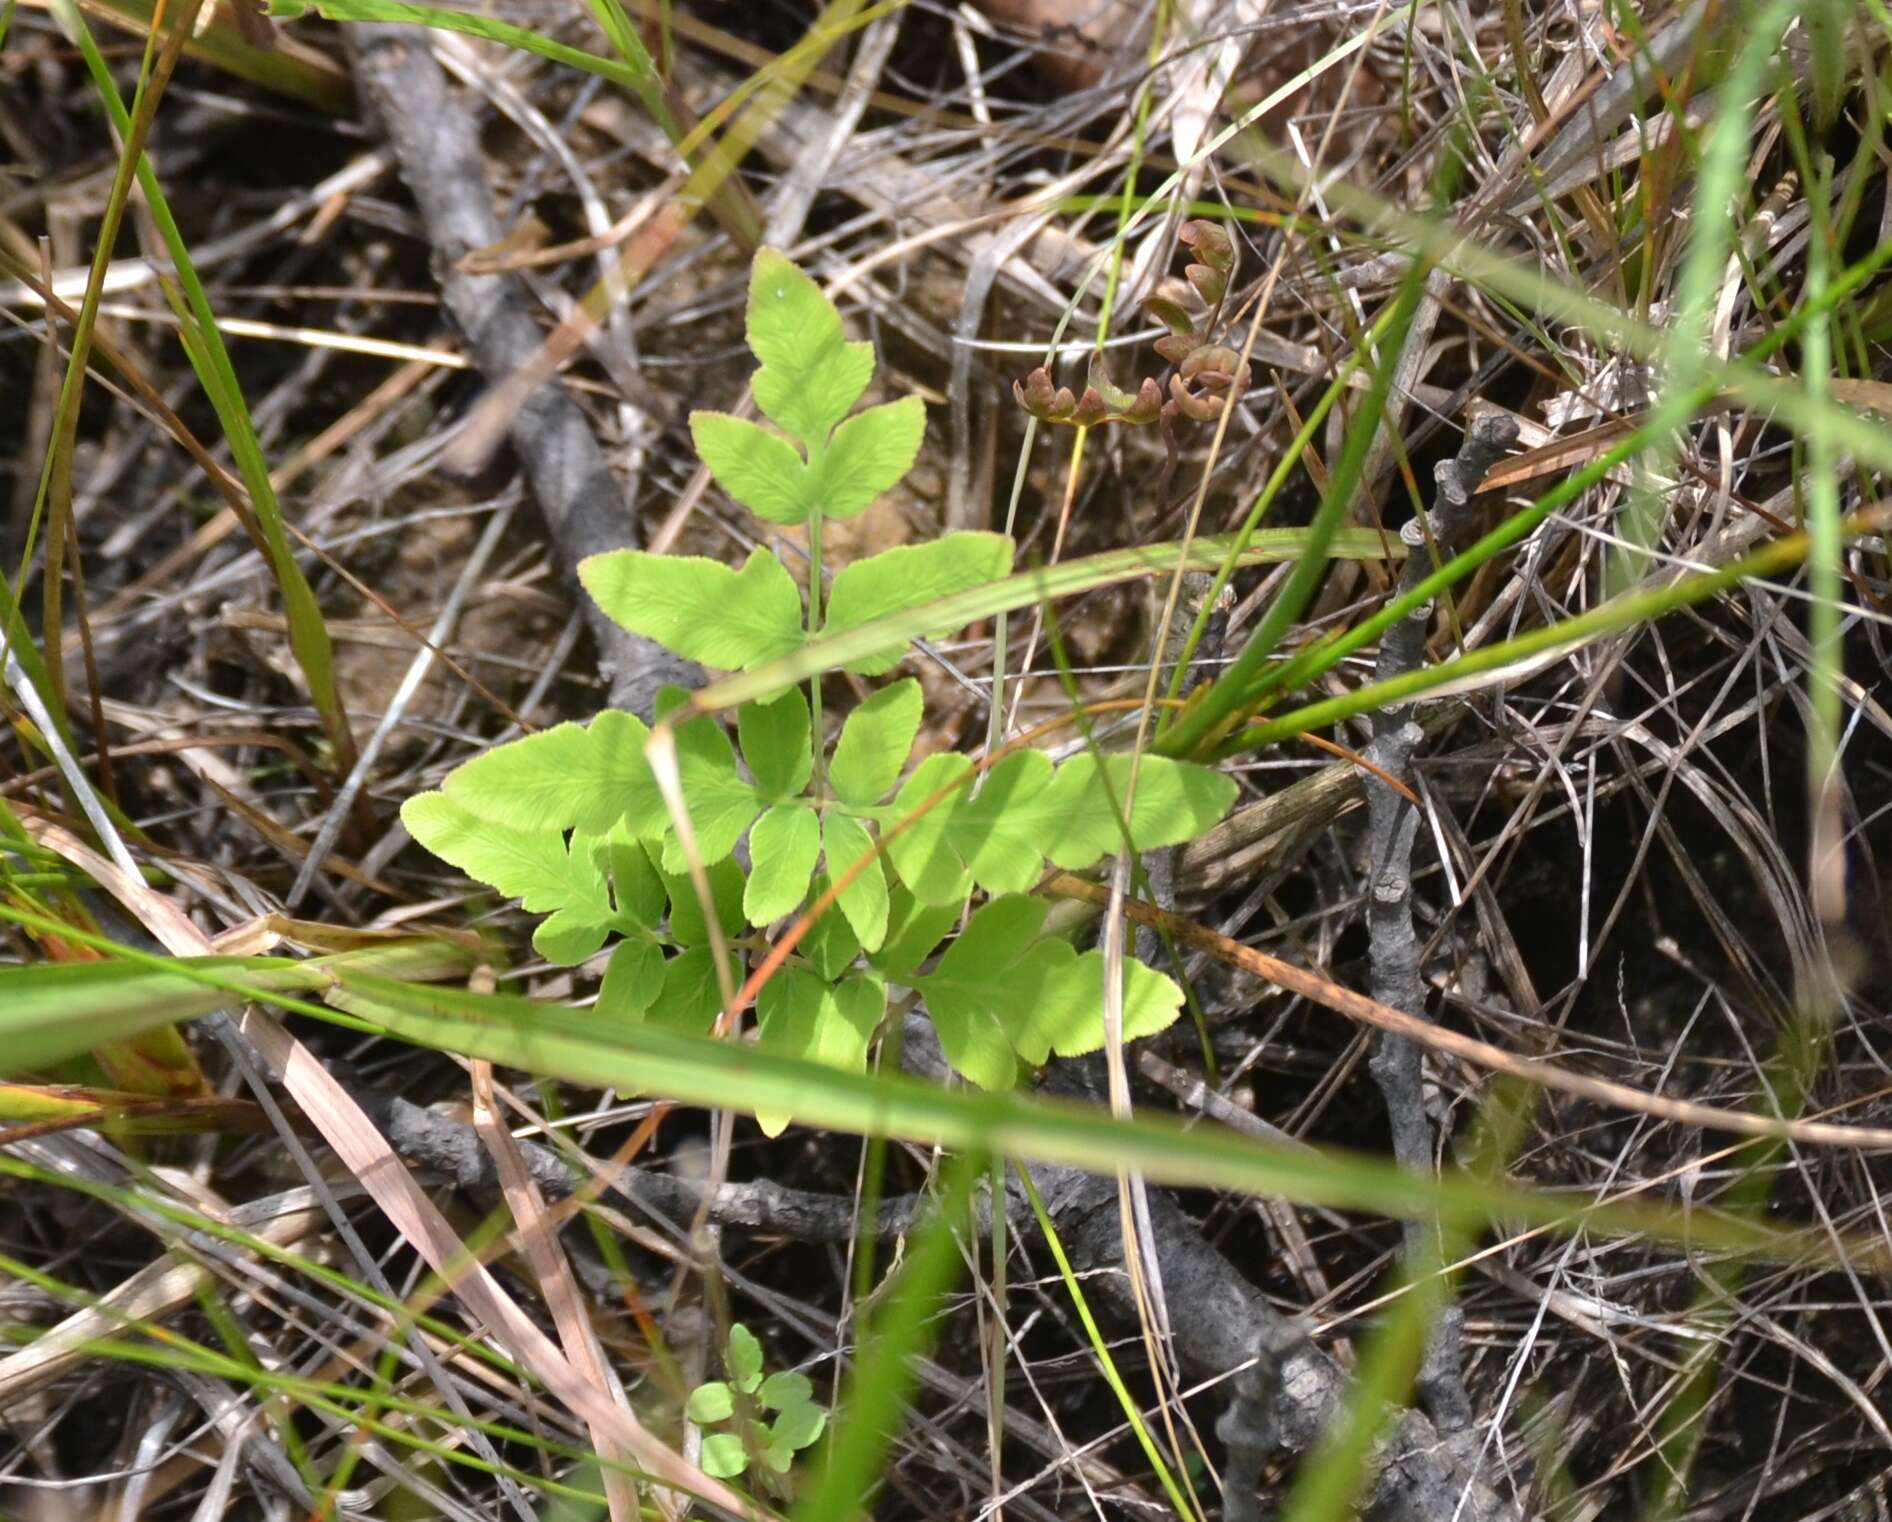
(1100, 1349)
(632, 70)
(1284, 468)
(52, 502)
(1334, 1474)
(308, 633)
(563, 1042)
(297, 73)
(168, 1349)
(1825, 580)
(902, 1327)
(52, 1011)
(57, 1010)
(1022, 589)
(1533, 288)
(487, 28)
(1224, 698)
(1672, 412)
(1720, 194)
(1619, 613)
(60, 1008)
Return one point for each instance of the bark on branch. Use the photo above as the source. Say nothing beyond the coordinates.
(1392, 824)
(436, 140)
(1219, 1320)
(1216, 1316)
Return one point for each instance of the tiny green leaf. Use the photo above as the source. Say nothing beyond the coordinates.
(913, 930)
(811, 375)
(567, 777)
(568, 937)
(777, 1454)
(859, 1003)
(874, 743)
(692, 995)
(687, 925)
(919, 851)
(986, 984)
(863, 901)
(801, 1016)
(791, 1009)
(722, 805)
(777, 744)
(534, 866)
(910, 577)
(698, 607)
(759, 469)
(633, 979)
(1024, 812)
(744, 1360)
(783, 849)
(994, 830)
(723, 1456)
(1077, 816)
(1068, 1015)
(713, 1402)
(636, 888)
(869, 454)
(785, 1388)
(830, 945)
(798, 1426)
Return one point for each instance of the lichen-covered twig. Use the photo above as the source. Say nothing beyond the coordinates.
(436, 141)
(1248, 1425)
(1392, 823)
(1424, 1476)
(450, 1148)
(1217, 1319)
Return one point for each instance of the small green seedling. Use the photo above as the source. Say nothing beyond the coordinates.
(571, 822)
(741, 1400)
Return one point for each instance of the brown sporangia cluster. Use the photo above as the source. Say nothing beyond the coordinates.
(1207, 377)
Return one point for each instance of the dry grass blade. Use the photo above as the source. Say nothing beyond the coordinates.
(1344, 1001)
(365, 1152)
(1650, 815)
(145, 1299)
(560, 1289)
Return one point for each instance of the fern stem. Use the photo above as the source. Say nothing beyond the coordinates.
(819, 780)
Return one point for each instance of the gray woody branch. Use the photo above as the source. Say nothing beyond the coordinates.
(1217, 1318)
(436, 141)
(453, 1150)
(1219, 1322)
(1392, 824)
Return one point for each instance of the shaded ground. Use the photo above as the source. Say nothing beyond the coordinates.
(1610, 872)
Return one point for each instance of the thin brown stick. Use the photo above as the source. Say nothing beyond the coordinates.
(1356, 1006)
